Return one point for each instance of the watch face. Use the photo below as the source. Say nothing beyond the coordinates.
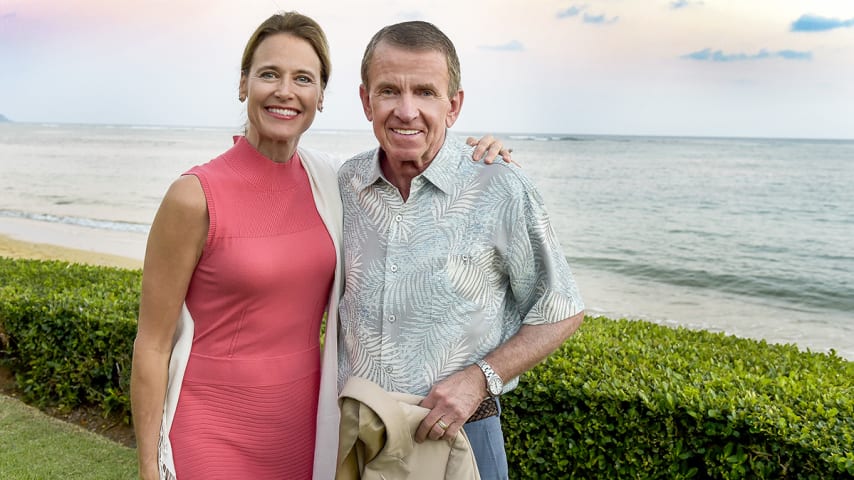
(494, 386)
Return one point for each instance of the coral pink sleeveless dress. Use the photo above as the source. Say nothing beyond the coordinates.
(248, 402)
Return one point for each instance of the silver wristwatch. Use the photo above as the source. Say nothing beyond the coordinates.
(494, 384)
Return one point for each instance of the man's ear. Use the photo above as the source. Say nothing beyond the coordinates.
(456, 106)
(366, 102)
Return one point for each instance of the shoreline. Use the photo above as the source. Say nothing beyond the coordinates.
(24, 238)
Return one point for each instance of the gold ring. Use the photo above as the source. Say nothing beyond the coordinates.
(442, 425)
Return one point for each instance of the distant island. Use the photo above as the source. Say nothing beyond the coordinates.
(3, 119)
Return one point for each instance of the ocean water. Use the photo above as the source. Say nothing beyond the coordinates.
(752, 237)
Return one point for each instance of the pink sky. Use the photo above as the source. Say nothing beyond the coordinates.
(730, 68)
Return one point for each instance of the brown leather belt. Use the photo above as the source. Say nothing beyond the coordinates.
(486, 409)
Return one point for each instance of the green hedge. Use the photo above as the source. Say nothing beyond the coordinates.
(628, 399)
(67, 331)
(622, 399)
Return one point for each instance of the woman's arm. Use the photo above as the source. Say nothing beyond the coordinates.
(175, 243)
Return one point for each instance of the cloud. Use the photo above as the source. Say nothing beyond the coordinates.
(513, 46)
(707, 55)
(814, 23)
(599, 19)
(577, 10)
(794, 55)
(684, 3)
(7, 16)
(571, 11)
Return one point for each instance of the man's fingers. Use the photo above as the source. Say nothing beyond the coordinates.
(452, 431)
(442, 428)
(430, 427)
(438, 430)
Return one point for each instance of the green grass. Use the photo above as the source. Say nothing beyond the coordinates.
(35, 446)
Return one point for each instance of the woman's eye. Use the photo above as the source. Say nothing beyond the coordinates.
(267, 75)
(304, 79)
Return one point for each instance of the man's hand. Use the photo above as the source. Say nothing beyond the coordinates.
(451, 402)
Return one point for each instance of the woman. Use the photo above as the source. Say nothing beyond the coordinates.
(240, 266)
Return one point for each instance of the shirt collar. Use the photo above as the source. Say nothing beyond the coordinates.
(440, 172)
(370, 165)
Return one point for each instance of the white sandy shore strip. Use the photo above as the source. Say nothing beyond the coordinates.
(24, 238)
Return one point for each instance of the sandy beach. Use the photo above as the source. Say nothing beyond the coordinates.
(22, 238)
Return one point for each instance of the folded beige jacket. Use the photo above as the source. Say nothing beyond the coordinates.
(377, 439)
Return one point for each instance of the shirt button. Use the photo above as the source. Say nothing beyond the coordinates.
(393, 268)
(398, 217)
(388, 368)
(392, 318)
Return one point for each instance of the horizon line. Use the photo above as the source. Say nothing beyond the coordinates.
(459, 132)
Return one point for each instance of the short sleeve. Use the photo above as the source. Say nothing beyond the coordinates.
(540, 277)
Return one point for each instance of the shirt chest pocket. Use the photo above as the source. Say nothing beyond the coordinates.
(468, 279)
(465, 303)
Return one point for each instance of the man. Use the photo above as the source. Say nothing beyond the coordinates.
(455, 281)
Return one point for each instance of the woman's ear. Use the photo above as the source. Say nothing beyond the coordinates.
(242, 89)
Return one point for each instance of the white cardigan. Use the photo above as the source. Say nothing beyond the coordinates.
(323, 175)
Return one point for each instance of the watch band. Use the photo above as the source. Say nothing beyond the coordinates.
(494, 384)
